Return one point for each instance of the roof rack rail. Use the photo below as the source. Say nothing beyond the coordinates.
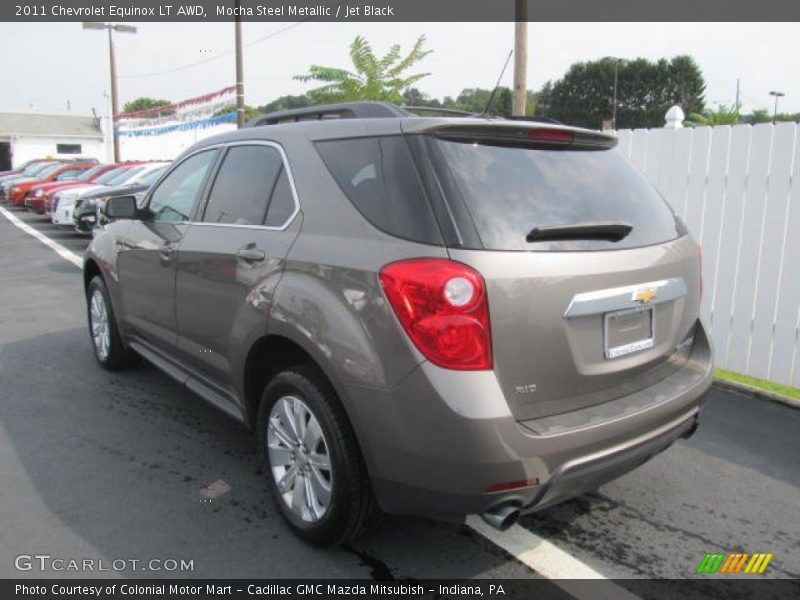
(345, 110)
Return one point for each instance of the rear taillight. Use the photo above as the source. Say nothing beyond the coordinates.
(443, 308)
(699, 249)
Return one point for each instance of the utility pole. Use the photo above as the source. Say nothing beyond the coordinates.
(777, 95)
(520, 97)
(239, 71)
(110, 27)
(736, 104)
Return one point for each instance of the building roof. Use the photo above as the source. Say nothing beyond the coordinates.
(34, 124)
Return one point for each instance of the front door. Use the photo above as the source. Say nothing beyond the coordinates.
(148, 254)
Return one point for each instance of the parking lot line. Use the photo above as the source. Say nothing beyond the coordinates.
(550, 561)
(531, 550)
(60, 250)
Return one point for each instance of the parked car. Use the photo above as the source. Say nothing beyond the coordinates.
(116, 170)
(37, 195)
(430, 316)
(87, 209)
(65, 171)
(30, 172)
(21, 167)
(64, 201)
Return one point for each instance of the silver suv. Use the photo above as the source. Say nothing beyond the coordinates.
(424, 316)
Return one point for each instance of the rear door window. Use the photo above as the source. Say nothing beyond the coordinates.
(378, 175)
(508, 191)
(243, 186)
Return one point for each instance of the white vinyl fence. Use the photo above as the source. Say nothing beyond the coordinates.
(738, 190)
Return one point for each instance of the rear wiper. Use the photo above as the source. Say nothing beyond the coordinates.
(611, 231)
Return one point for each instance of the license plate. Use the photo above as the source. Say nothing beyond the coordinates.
(628, 331)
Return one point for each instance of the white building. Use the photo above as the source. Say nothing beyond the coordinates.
(24, 136)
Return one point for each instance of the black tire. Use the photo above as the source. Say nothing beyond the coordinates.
(352, 507)
(117, 355)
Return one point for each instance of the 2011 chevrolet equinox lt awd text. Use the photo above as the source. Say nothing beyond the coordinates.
(417, 315)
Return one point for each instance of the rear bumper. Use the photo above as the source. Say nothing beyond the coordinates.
(434, 449)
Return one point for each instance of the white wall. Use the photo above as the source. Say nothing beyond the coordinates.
(26, 148)
(738, 190)
(168, 145)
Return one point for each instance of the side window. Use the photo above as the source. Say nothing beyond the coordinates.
(281, 205)
(174, 198)
(379, 177)
(243, 185)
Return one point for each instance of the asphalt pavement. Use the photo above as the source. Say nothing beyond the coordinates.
(119, 466)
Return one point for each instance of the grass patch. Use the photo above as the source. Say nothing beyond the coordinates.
(762, 384)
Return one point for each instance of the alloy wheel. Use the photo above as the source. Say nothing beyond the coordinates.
(299, 459)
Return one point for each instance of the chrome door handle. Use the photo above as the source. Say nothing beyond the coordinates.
(251, 254)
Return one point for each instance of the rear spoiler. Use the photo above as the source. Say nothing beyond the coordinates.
(510, 133)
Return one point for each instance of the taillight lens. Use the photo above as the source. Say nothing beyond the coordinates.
(552, 135)
(443, 308)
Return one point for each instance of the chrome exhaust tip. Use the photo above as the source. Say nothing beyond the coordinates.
(501, 517)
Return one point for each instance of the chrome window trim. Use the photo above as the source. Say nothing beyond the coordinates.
(289, 174)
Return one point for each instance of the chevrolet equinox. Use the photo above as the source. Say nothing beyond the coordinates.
(416, 315)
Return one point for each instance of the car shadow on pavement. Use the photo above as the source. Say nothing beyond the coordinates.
(119, 465)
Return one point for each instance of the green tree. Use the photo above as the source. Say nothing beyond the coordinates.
(249, 111)
(144, 103)
(645, 91)
(285, 103)
(373, 78)
(724, 115)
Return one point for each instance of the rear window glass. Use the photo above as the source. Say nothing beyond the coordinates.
(378, 175)
(508, 191)
(242, 188)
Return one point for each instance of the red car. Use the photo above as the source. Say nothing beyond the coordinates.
(104, 179)
(38, 194)
(63, 170)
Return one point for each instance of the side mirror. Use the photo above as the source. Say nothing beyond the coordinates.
(121, 207)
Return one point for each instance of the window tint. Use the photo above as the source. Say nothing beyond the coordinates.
(175, 196)
(129, 175)
(70, 174)
(281, 205)
(89, 173)
(243, 185)
(379, 177)
(509, 191)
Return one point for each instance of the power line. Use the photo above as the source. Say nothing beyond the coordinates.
(218, 56)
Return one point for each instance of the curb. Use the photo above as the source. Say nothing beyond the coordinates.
(749, 390)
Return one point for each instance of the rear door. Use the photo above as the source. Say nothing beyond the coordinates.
(147, 258)
(232, 258)
(592, 280)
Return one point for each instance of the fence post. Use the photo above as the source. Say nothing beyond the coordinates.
(674, 118)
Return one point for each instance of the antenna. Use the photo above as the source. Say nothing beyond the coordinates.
(485, 112)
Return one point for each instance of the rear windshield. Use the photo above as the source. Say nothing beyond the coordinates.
(509, 191)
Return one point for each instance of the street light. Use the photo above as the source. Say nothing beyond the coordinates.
(777, 95)
(112, 60)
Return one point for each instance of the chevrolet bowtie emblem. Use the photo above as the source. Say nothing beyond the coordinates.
(645, 296)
